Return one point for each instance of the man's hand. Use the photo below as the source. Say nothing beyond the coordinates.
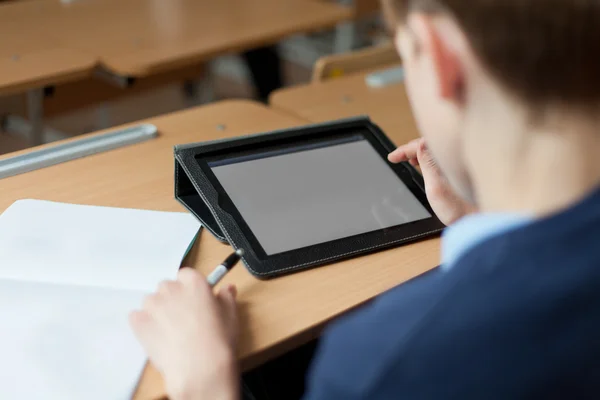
(190, 336)
(448, 206)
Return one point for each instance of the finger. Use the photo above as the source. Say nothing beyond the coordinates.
(227, 301)
(435, 181)
(151, 302)
(139, 321)
(397, 156)
(168, 287)
(145, 330)
(425, 158)
(233, 290)
(160, 307)
(405, 152)
(191, 278)
(168, 301)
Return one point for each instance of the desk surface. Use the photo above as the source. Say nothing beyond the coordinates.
(146, 36)
(36, 69)
(29, 57)
(349, 96)
(55, 41)
(276, 315)
(141, 37)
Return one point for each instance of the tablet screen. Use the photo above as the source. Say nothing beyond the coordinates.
(303, 196)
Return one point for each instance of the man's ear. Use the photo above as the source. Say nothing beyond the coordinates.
(432, 43)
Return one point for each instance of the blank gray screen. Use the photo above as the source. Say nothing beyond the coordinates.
(314, 196)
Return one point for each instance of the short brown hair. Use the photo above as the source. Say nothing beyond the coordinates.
(544, 51)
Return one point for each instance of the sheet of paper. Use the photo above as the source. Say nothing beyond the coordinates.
(42, 241)
(67, 342)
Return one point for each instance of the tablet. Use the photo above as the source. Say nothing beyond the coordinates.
(304, 197)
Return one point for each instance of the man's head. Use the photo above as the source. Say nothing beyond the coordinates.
(472, 65)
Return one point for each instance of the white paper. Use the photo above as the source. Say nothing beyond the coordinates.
(67, 342)
(69, 277)
(70, 244)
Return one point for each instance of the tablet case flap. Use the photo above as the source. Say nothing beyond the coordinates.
(187, 195)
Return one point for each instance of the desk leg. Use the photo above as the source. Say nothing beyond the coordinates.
(202, 90)
(32, 128)
(35, 110)
(345, 33)
(345, 38)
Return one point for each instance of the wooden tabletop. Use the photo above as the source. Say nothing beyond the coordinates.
(142, 37)
(46, 42)
(276, 315)
(350, 96)
(32, 58)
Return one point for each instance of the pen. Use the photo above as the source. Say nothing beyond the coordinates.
(218, 273)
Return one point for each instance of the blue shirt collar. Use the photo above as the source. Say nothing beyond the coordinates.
(472, 230)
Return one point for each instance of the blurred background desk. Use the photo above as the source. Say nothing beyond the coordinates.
(350, 96)
(135, 38)
(30, 61)
(136, 45)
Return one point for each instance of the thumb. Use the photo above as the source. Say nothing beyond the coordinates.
(227, 301)
(428, 165)
(424, 156)
(432, 174)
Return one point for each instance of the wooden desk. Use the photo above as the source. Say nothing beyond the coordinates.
(47, 42)
(276, 315)
(350, 96)
(29, 57)
(29, 69)
(137, 38)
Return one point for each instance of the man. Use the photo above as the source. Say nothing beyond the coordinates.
(506, 94)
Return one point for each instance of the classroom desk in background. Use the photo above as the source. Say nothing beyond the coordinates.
(350, 96)
(276, 315)
(31, 60)
(137, 38)
(48, 42)
(31, 68)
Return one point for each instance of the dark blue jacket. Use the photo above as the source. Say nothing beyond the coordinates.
(517, 317)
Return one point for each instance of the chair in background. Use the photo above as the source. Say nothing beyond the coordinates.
(337, 65)
(351, 34)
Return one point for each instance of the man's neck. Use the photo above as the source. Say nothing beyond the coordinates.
(545, 172)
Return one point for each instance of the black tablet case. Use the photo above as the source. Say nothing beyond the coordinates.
(194, 191)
